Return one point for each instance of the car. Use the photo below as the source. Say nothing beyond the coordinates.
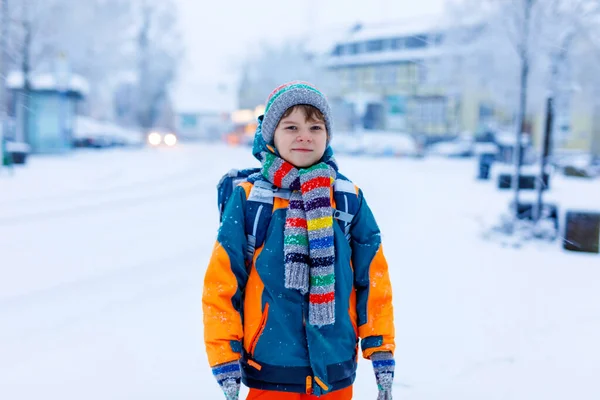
(347, 144)
(158, 138)
(462, 146)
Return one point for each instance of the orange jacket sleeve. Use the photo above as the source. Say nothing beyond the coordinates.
(372, 282)
(224, 283)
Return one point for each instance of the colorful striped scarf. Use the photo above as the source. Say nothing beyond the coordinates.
(308, 234)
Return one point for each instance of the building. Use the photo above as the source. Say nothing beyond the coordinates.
(407, 77)
(202, 111)
(384, 76)
(44, 115)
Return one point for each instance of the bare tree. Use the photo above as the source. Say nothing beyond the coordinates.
(4, 18)
(539, 35)
(93, 36)
(158, 53)
(98, 41)
(273, 65)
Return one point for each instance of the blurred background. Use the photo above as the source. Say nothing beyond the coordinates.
(473, 127)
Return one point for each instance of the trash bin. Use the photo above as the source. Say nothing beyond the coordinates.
(526, 182)
(582, 232)
(485, 165)
(19, 151)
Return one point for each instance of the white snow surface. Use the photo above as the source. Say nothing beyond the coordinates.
(102, 258)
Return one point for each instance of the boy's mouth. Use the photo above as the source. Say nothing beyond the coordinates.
(302, 150)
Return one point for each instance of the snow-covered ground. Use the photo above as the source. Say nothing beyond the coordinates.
(102, 256)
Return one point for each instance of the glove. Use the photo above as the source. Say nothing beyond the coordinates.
(383, 365)
(229, 376)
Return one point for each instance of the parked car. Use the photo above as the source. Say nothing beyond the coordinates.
(347, 144)
(391, 144)
(462, 146)
(92, 133)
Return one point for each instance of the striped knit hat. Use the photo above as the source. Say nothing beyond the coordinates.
(288, 95)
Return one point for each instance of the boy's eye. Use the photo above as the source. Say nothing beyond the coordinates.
(317, 128)
(291, 128)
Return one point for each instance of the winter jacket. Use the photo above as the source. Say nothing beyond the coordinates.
(250, 316)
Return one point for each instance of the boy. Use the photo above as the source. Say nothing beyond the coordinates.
(287, 324)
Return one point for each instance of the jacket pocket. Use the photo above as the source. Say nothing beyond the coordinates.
(259, 331)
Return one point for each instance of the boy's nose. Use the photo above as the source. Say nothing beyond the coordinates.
(304, 136)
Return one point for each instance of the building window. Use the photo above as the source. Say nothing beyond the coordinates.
(430, 111)
(342, 76)
(421, 73)
(374, 45)
(385, 74)
(338, 51)
(352, 80)
(403, 74)
(352, 48)
(398, 43)
(393, 74)
(369, 76)
(387, 44)
(416, 41)
(412, 74)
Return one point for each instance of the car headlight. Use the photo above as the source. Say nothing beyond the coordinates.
(170, 139)
(154, 138)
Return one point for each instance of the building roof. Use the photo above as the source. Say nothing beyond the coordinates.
(76, 84)
(392, 29)
(426, 25)
(383, 57)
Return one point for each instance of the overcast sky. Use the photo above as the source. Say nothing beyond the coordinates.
(219, 34)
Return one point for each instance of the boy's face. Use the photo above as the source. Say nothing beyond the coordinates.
(300, 142)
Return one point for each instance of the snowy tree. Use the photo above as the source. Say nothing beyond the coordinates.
(157, 55)
(4, 31)
(28, 33)
(520, 51)
(496, 39)
(98, 45)
(274, 64)
(109, 42)
(88, 37)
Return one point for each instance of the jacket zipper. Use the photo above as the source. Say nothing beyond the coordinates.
(261, 328)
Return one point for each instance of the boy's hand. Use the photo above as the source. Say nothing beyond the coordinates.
(229, 376)
(383, 365)
(231, 388)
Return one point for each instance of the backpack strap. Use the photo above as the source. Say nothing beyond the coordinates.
(259, 210)
(346, 203)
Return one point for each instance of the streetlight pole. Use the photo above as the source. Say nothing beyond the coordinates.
(3, 60)
(3, 73)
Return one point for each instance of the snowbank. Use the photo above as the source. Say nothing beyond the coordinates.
(77, 83)
(381, 143)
